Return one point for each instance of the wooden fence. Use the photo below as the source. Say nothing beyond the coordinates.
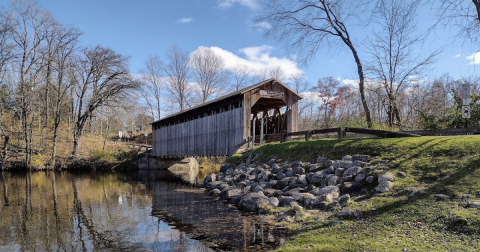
(342, 133)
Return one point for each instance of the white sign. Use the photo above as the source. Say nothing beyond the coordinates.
(465, 111)
(120, 134)
(466, 101)
(466, 91)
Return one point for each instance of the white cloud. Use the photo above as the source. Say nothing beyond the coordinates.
(252, 4)
(262, 25)
(474, 58)
(258, 60)
(458, 55)
(185, 20)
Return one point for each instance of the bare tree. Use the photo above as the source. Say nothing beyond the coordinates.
(103, 76)
(208, 71)
(241, 75)
(278, 73)
(65, 44)
(6, 46)
(153, 84)
(394, 64)
(28, 25)
(463, 14)
(307, 25)
(177, 74)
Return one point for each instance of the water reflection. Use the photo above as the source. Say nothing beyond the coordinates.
(61, 211)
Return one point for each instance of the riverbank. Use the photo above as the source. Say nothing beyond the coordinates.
(423, 193)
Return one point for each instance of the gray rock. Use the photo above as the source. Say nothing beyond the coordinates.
(329, 170)
(280, 175)
(209, 178)
(439, 197)
(318, 205)
(226, 167)
(352, 171)
(339, 172)
(282, 183)
(299, 170)
(328, 190)
(291, 192)
(324, 162)
(216, 185)
(332, 180)
(296, 164)
(285, 201)
(344, 199)
(302, 179)
(347, 158)
(325, 197)
(229, 193)
(360, 177)
(315, 178)
(384, 186)
(401, 174)
(253, 202)
(475, 204)
(349, 187)
(366, 170)
(290, 173)
(313, 168)
(273, 202)
(346, 213)
(386, 177)
(235, 200)
(360, 157)
(258, 188)
(369, 179)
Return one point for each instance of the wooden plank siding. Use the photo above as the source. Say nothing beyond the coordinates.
(217, 134)
(217, 127)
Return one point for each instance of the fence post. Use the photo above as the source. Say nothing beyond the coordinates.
(339, 133)
(308, 135)
(261, 133)
(253, 133)
(282, 137)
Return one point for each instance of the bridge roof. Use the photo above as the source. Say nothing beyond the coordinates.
(239, 92)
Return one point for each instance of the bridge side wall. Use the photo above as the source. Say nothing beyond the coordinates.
(217, 134)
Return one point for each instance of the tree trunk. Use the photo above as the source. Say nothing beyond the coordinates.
(106, 132)
(77, 133)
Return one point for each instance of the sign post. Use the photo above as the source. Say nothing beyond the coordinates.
(466, 94)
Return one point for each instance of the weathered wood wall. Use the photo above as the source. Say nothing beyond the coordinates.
(217, 134)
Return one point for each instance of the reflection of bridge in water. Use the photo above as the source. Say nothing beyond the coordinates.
(189, 210)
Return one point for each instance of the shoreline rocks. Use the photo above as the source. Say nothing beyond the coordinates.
(326, 184)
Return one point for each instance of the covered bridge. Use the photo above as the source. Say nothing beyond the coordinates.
(220, 126)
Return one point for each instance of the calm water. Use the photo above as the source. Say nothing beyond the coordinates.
(64, 211)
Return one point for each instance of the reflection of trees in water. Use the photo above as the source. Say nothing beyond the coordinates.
(201, 217)
(74, 212)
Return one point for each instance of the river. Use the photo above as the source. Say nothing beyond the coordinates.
(135, 211)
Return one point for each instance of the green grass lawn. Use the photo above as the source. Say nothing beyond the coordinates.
(446, 165)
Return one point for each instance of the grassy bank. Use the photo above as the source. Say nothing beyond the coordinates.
(393, 221)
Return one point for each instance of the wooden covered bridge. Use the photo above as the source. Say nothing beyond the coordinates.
(220, 126)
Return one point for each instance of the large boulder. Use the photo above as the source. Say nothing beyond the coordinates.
(187, 169)
(253, 202)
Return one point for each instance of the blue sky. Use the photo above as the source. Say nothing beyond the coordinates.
(140, 28)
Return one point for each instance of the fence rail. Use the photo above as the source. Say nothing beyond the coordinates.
(342, 133)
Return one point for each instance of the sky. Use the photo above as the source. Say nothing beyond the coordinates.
(145, 27)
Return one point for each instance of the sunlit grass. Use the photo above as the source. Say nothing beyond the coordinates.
(447, 165)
